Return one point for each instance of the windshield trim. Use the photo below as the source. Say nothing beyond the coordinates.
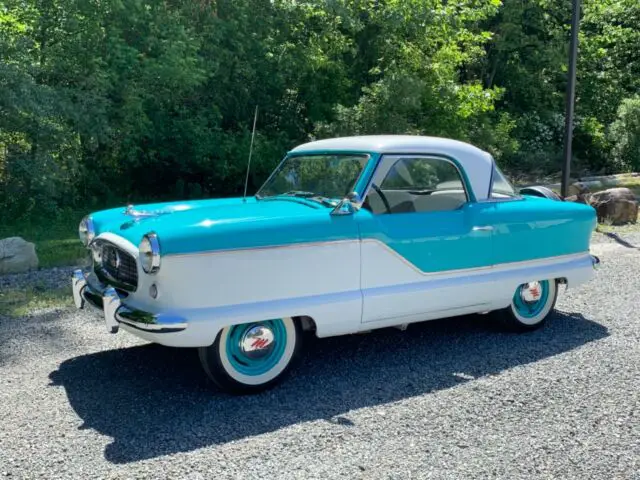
(273, 172)
(353, 153)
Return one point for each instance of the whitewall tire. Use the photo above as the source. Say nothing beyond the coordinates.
(531, 305)
(252, 357)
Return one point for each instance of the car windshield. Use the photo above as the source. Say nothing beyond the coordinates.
(324, 178)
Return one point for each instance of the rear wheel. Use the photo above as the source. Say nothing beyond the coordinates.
(531, 305)
(252, 357)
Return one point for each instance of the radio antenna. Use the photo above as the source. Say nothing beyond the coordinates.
(253, 134)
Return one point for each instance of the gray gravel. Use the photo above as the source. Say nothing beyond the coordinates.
(448, 400)
(49, 278)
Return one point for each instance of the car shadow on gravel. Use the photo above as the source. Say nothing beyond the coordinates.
(155, 401)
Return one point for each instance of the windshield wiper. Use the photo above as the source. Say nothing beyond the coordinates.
(296, 193)
(307, 196)
(311, 196)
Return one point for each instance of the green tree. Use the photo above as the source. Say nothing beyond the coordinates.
(106, 101)
(625, 135)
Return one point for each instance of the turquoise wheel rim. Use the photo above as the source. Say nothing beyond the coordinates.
(247, 365)
(531, 309)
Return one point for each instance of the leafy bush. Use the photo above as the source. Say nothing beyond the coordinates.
(625, 135)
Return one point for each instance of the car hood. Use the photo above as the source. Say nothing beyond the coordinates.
(207, 225)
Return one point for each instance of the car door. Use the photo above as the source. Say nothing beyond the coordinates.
(425, 241)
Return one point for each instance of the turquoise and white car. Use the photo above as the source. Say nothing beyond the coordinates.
(346, 235)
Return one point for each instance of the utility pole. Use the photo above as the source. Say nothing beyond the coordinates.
(571, 96)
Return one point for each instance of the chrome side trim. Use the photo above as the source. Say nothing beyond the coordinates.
(485, 228)
(267, 247)
(501, 200)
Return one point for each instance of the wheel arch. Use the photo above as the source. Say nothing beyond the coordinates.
(307, 323)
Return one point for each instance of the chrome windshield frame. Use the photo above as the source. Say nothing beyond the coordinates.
(366, 155)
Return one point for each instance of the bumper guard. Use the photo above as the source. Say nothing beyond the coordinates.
(88, 290)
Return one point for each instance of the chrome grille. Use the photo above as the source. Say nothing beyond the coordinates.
(116, 267)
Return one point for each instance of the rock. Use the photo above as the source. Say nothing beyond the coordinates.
(578, 188)
(17, 256)
(615, 205)
(579, 192)
(580, 198)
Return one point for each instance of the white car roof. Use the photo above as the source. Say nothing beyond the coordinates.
(477, 163)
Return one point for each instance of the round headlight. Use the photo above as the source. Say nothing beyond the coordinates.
(150, 253)
(86, 230)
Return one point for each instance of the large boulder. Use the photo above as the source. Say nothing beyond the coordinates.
(615, 205)
(17, 256)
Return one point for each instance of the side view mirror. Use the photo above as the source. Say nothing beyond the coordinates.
(349, 205)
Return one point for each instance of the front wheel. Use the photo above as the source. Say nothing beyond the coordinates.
(252, 357)
(531, 305)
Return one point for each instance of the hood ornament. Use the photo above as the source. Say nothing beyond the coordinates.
(137, 215)
(130, 211)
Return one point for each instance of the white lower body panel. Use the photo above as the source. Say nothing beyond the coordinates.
(335, 313)
(345, 287)
(445, 295)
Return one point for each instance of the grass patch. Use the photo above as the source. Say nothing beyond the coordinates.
(619, 229)
(19, 302)
(632, 183)
(629, 181)
(56, 240)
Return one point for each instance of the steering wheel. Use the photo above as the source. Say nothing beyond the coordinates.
(382, 197)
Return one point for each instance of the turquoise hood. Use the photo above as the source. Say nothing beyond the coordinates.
(221, 224)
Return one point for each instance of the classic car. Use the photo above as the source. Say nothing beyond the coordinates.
(346, 235)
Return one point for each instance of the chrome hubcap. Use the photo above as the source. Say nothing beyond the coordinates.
(531, 292)
(257, 342)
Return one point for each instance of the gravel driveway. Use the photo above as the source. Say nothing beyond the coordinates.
(447, 400)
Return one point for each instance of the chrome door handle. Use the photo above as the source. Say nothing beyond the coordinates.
(486, 228)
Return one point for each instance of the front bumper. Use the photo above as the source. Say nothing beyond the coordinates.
(88, 290)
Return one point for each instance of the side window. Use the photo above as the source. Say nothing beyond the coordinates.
(419, 184)
(501, 188)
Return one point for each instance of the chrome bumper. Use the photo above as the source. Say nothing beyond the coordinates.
(88, 290)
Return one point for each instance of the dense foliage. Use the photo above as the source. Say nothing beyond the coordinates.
(105, 101)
